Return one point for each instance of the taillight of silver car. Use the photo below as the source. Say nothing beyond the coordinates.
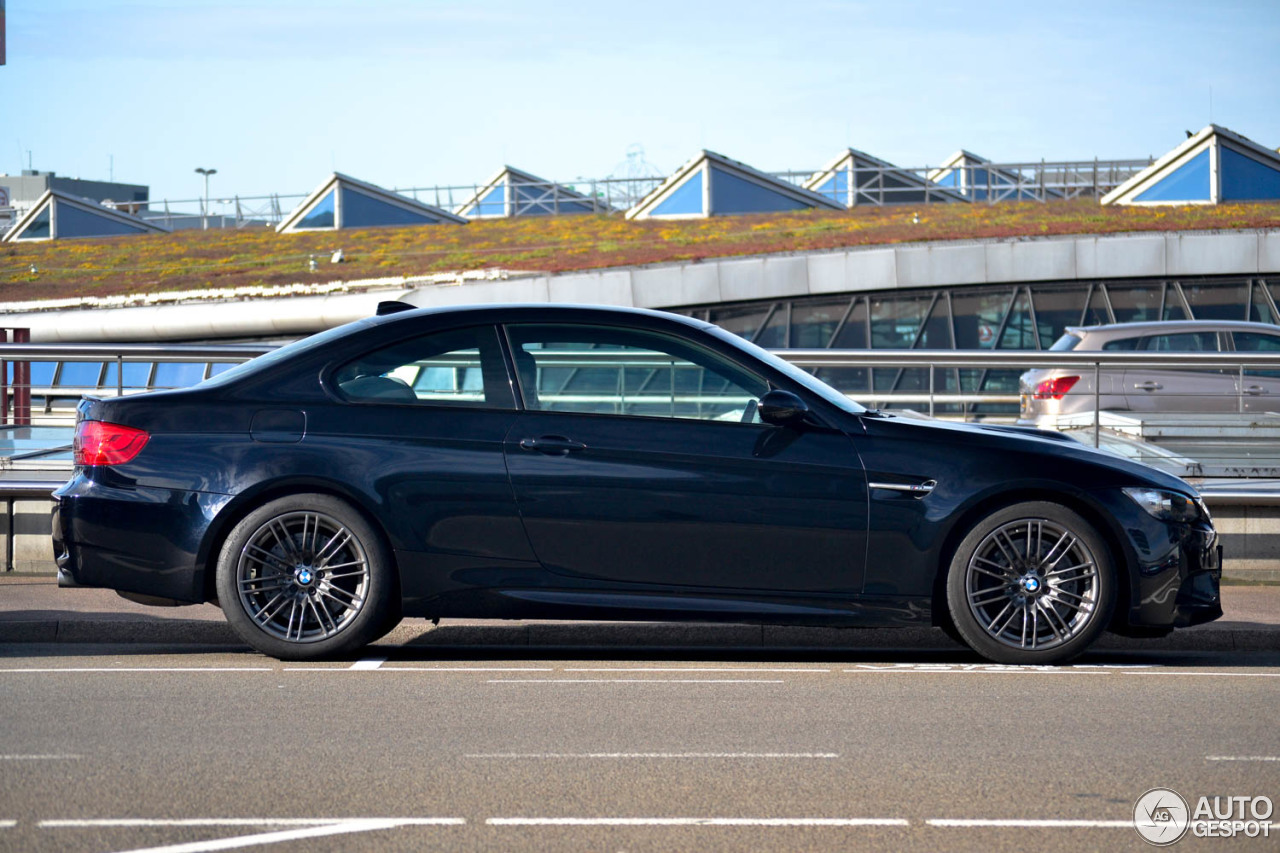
(1054, 389)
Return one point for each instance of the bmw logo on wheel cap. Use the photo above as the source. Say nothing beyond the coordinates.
(304, 576)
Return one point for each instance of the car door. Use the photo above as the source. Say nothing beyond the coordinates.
(1260, 391)
(419, 424)
(1180, 389)
(639, 459)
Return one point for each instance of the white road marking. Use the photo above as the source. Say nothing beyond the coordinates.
(134, 822)
(1217, 674)
(697, 821)
(1242, 758)
(144, 669)
(369, 663)
(39, 757)
(635, 681)
(8, 824)
(423, 669)
(958, 671)
(689, 669)
(549, 755)
(1031, 824)
(272, 837)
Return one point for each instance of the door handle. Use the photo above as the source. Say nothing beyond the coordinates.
(1255, 390)
(1148, 386)
(552, 445)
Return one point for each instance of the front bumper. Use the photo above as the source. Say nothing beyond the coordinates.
(1177, 576)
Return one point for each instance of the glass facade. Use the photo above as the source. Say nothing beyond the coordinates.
(732, 194)
(363, 211)
(319, 216)
(685, 199)
(75, 222)
(1007, 317)
(1245, 179)
(1189, 182)
(38, 228)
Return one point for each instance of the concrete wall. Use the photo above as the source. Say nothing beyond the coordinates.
(887, 268)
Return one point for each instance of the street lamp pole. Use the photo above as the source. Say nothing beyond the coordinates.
(204, 217)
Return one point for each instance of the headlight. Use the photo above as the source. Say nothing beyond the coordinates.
(1168, 506)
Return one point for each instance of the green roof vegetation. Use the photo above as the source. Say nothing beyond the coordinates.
(256, 256)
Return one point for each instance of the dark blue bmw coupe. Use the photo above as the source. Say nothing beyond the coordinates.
(565, 462)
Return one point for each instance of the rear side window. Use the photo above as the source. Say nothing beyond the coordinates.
(1255, 342)
(1183, 342)
(1121, 345)
(1065, 343)
(457, 367)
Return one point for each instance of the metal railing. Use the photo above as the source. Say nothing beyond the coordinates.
(1225, 421)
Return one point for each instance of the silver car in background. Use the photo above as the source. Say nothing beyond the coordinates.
(1049, 393)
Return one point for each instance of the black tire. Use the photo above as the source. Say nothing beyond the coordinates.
(305, 577)
(1033, 583)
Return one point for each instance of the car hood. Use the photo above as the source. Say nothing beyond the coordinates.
(1024, 440)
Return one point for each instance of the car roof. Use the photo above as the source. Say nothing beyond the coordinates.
(535, 311)
(1165, 326)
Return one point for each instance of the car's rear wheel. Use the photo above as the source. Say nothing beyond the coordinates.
(1032, 583)
(305, 577)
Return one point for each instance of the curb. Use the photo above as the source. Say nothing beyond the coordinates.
(651, 636)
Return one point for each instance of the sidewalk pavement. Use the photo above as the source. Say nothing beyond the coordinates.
(33, 609)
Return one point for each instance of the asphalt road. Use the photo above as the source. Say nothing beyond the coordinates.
(137, 748)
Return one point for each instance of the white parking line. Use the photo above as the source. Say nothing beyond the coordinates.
(1031, 824)
(689, 669)
(135, 822)
(422, 669)
(368, 663)
(39, 758)
(143, 669)
(272, 837)
(1215, 674)
(1242, 758)
(635, 681)
(697, 821)
(554, 755)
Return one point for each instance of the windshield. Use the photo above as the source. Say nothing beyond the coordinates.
(808, 380)
(1066, 342)
(266, 360)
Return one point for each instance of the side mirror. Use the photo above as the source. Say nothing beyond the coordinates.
(782, 408)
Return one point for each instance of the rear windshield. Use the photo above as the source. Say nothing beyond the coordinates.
(1066, 342)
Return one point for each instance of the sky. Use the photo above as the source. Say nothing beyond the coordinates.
(276, 94)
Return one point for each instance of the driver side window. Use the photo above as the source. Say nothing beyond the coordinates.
(614, 371)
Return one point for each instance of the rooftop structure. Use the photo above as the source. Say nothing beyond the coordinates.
(855, 178)
(344, 202)
(58, 215)
(978, 180)
(711, 184)
(512, 192)
(1213, 166)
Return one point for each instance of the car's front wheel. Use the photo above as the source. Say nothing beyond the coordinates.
(1032, 583)
(305, 577)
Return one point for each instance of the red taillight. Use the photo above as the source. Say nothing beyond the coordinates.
(1053, 389)
(99, 443)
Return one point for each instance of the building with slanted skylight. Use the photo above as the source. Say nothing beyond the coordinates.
(58, 216)
(855, 178)
(1213, 166)
(512, 192)
(344, 202)
(713, 185)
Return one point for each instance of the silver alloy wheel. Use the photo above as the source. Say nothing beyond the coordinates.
(302, 576)
(1032, 584)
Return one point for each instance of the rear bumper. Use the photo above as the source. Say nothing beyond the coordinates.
(129, 538)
